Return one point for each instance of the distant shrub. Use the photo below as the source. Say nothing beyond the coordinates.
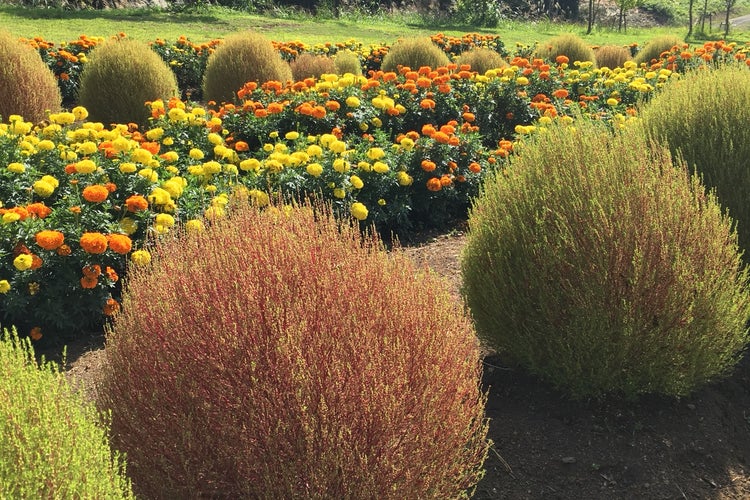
(482, 59)
(704, 117)
(612, 56)
(567, 44)
(243, 57)
(120, 77)
(653, 49)
(601, 267)
(53, 444)
(308, 65)
(347, 61)
(262, 365)
(27, 87)
(414, 53)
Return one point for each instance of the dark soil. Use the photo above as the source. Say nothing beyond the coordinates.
(547, 446)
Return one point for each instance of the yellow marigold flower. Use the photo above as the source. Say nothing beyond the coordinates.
(407, 143)
(155, 134)
(141, 155)
(45, 145)
(121, 144)
(177, 115)
(128, 168)
(359, 211)
(353, 101)
(326, 139)
(159, 196)
(140, 257)
(339, 193)
(364, 166)
(380, 167)
(17, 168)
(10, 217)
(314, 151)
(214, 212)
(291, 136)
(4, 286)
(251, 164)
(23, 262)
(196, 154)
(174, 187)
(356, 182)
(314, 169)
(149, 173)
(404, 179)
(43, 189)
(211, 167)
(258, 197)
(80, 113)
(165, 220)
(215, 139)
(612, 102)
(87, 148)
(375, 153)
(170, 156)
(381, 202)
(194, 226)
(85, 167)
(128, 225)
(340, 165)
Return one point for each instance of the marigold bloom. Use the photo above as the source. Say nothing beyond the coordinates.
(359, 211)
(35, 333)
(136, 203)
(38, 210)
(120, 243)
(43, 188)
(64, 250)
(434, 184)
(49, 240)
(475, 167)
(4, 286)
(92, 270)
(111, 274)
(94, 243)
(96, 193)
(314, 169)
(23, 262)
(141, 257)
(428, 166)
(89, 282)
(111, 307)
(85, 167)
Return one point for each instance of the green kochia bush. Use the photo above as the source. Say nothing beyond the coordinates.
(600, 266)
(482, 59)
(704, 117)
(120, 77)
(278, 356)
(27, 86)
(52, 442)
(243, 57)
(414, 53)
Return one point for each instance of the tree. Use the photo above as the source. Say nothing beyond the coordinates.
(690, 18)
(729, 4)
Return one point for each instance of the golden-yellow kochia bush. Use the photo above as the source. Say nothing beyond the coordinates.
(414, 53)
(243, 57)
(602, 267)
(279, 354)
(27, 86)
(482, 59)
(53, 443)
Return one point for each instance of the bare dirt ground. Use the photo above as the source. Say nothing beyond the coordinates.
(549, 447)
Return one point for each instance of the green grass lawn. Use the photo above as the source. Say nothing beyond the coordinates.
(148, 24)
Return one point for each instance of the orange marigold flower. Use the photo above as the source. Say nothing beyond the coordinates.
(333, 105)
(111, 307)
(560, 93)
(427, 104)
(445, 180)
(136, 203)
(561, 59)
(120, 243)
(38, 209)
(92, 270)
(151, 147)
(95, 194)
(89, 282)
(112, 274)
(319, 112)
(241, 146)
(111, 187)
(36, 261)
(475, 167)
(275, 107)
(428, 166)
(35, 333)
(94, 243)
(64, 250)
(49, 240)
(260, 113)
(434, 184)
(441, 137)
(468, 117)
(75, 209)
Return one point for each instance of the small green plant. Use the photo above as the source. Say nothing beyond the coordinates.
(414, 53)
(243, 57)
(612, 56)
(308, 65)
(27, 86)
(121, 76)
(653, 49)
(703, 117)
(482, 59)
(53, 444)
(600, 266)
(347, 61)
(262, 365)
(569, 45)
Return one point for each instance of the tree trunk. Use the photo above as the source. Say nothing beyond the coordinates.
(690, 18)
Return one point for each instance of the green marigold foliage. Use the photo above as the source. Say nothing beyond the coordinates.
(53, 443)
(309, 65)
(601, 267)
(482, 59)
(121, 76)
(244, 57)
(280, 355)
(414, 53)
(704, 118)
(27, 87)
(612, 56)
(569, 45)
(653, 49)
(347, 61)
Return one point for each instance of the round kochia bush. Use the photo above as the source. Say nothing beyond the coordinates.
(53, 444)
(27, 87)
(704, 118)
(278, 356)
(601, 267)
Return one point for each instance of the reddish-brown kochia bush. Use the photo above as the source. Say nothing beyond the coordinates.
(282, 355)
